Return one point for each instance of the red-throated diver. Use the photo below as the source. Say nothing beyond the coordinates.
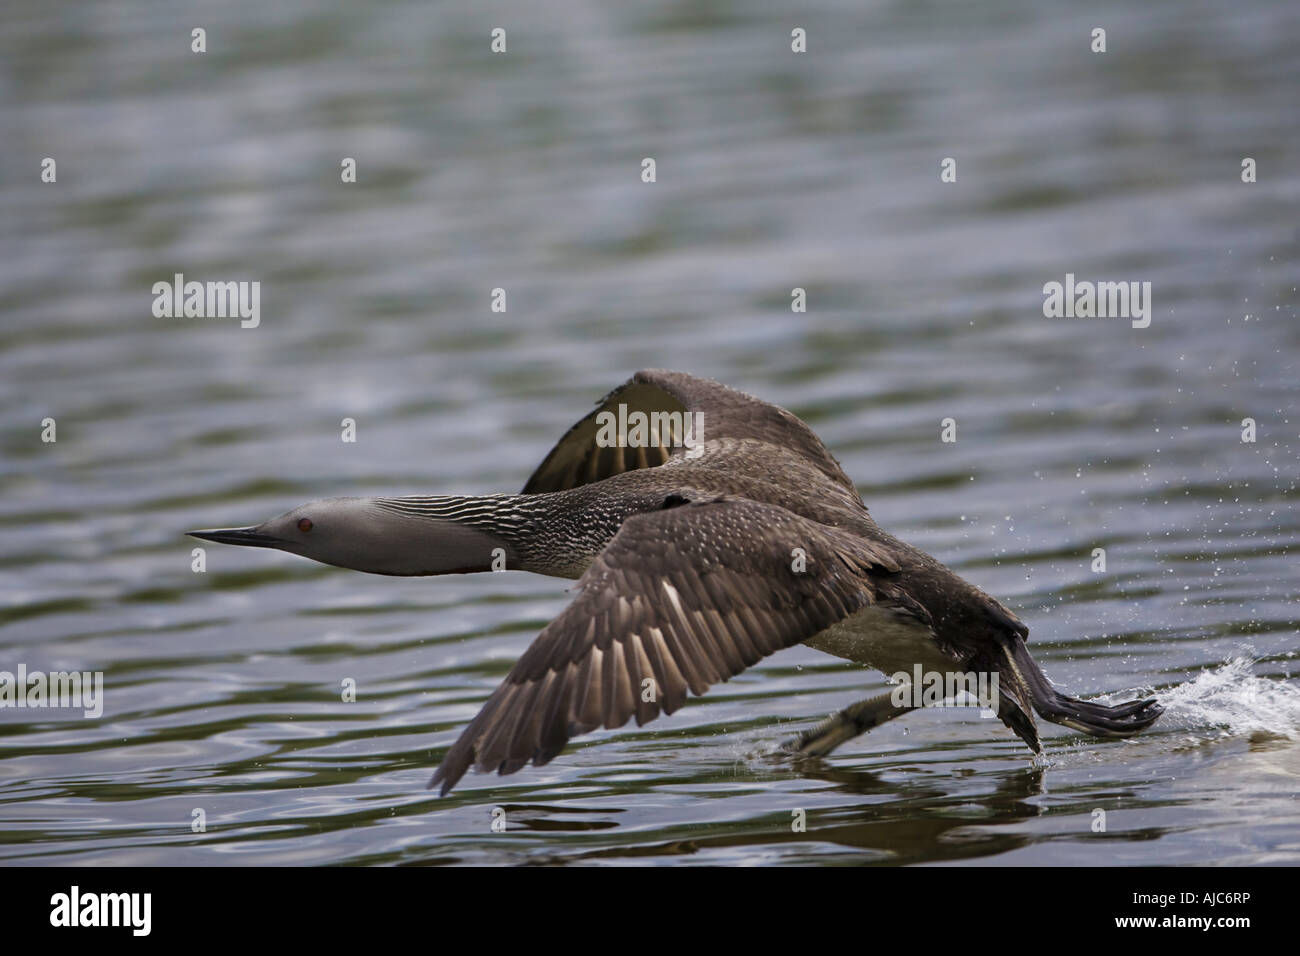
(695, 561)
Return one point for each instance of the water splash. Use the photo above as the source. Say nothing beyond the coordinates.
(1230, 698)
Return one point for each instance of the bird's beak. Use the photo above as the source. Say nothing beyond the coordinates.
(249, 537)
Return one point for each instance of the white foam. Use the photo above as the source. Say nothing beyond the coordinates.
(1230, 698)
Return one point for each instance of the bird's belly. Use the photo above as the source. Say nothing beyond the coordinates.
(884, 639)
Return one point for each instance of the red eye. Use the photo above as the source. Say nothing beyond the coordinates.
(304, 525)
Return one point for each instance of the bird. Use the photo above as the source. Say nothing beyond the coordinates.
(706, 529)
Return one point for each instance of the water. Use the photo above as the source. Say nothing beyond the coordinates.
(522, 172)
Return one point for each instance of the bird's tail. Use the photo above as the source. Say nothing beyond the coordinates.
(1024, 686)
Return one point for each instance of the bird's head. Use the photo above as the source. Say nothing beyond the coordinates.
(373, 535)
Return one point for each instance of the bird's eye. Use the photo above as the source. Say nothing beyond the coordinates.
(304, 525)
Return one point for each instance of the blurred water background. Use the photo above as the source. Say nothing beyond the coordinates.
(521, 171)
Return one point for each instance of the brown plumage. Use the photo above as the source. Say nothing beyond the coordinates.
(699, 562)
(721, 533)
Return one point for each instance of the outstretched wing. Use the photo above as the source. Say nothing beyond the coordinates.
(726, 413)
(679, 599)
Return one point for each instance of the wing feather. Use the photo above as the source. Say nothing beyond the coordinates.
(726, 413)
(688, 596)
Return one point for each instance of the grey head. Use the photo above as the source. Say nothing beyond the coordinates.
(372, 535)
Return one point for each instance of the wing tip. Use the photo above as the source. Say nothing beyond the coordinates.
(438, 777)
(453, 767)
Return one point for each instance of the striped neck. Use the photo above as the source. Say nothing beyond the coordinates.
(545, 534)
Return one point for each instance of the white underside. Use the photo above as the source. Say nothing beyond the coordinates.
(883, 639)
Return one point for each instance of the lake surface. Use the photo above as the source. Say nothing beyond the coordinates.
(522, 171)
